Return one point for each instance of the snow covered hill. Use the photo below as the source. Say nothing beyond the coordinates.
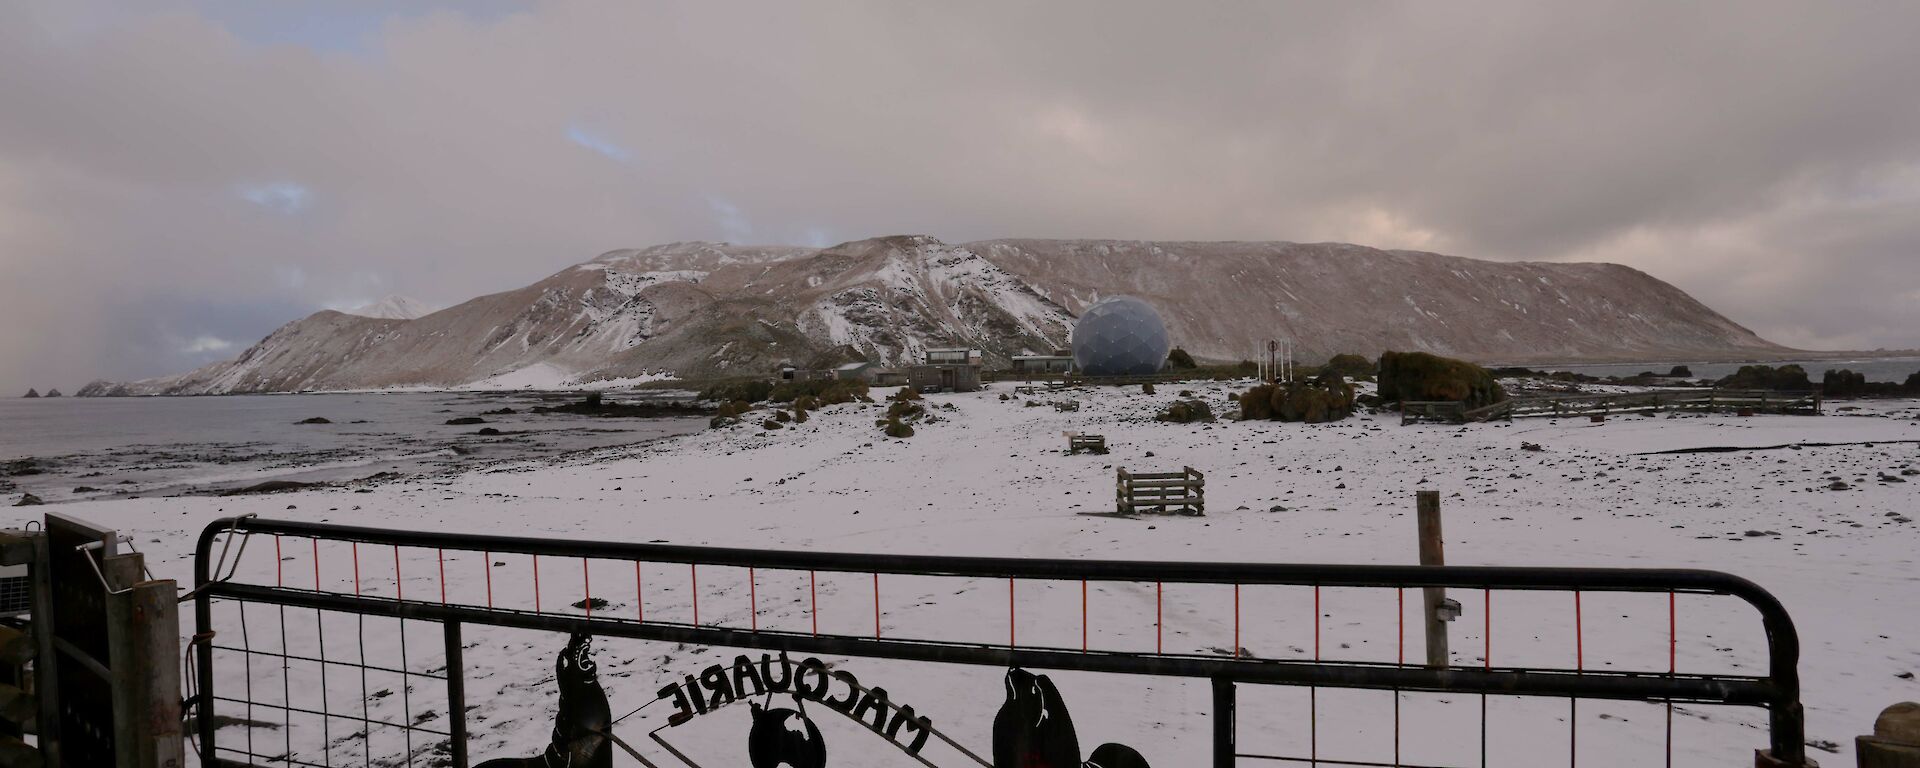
(715, 308)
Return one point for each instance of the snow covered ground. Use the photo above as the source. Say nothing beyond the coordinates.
(990, 478)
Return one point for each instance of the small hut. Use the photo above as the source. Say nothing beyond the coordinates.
(1042, 365)
(858, 370)
(947, 370)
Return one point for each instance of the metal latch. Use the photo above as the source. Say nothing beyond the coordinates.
(1447, 610)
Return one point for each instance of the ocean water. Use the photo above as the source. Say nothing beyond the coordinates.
(167, 445)
(1894, 369)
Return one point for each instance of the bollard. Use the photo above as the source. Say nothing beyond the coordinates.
(1764, 759)
(1895, 742)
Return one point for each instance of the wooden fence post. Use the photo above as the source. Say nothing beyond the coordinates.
(1432, 553)
(143, 644)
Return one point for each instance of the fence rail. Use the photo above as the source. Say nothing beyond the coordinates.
(1557, 406)
(224, 544)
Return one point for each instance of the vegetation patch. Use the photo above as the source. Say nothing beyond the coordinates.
(595, 405)
(751, 390)
(822, 391)
(1186, 412)
(1350, 365)
(1421, 376)
(1326, 398)
(1848, 384)
(1786, 378)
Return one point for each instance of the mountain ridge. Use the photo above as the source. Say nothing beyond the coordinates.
(702, 308)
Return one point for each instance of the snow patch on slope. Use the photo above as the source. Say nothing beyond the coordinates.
(395, 307)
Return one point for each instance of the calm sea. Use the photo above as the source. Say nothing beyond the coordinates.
(156, 445)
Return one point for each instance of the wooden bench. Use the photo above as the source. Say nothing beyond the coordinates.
(1180, 492)
(1089, 443)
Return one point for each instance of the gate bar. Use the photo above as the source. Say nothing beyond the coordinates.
(456, 697)
(1779, 691)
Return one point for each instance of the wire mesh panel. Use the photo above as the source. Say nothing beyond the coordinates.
(331, 645)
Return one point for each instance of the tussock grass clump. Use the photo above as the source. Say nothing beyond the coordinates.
(1349, 365)
(1849, 384)
(820, 392)
(904, 408)
(1422, 376)
(823, 391)
(1784, 378)
(749, 390)
(1324, 399)
(729, 413)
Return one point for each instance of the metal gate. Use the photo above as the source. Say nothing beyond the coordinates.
(247, 607)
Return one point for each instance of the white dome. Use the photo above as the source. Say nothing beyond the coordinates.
(1120, 336)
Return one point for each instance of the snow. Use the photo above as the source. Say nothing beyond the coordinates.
(989, 478)
(395, 307)
(546, 376)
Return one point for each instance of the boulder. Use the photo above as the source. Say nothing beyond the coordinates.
(29, 500)
(31, 393)
(465, 421)
(53, 393)
(315, 420)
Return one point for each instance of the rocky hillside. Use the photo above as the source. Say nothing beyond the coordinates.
(705, 308)
(1224, 300)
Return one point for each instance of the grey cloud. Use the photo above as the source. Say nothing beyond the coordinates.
(1758, 154)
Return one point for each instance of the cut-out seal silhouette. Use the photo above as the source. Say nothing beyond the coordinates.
(784, 738)
(1033, 730)
(581, 719)
(1115, 756)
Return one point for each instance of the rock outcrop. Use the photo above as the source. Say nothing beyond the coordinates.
(31, 393)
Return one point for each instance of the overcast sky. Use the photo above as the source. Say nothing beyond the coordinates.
(178, 179)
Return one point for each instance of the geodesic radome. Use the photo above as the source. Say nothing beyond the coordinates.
(1120, 336)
